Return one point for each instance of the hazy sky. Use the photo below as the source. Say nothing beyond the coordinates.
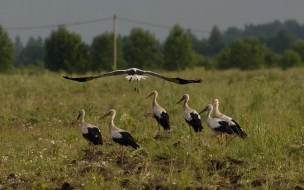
(200, 15)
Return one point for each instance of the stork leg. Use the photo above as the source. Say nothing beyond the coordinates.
(218, 139)
(199, 138)
(190, 132)
(89, 146)
(231, 139)
(93, 149)
(121, 155)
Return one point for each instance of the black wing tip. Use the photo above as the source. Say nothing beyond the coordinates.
(198, 80)
(184, 81)
(81, 79)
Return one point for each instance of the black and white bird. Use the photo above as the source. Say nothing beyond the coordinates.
(191, 117)
(159, 113)
(238, 130)
(90, 132)
(134, 74)
(218, 126)
(121, 137)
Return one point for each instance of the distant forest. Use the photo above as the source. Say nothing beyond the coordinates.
(274, 44)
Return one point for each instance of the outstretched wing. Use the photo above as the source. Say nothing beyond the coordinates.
(175, 80)
(85, 79)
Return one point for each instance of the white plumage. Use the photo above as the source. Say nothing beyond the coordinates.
(89, 131)
(238, 130)
(218, 126)
(159, 113)
(135, 74)
(121, 137)
(191, 116)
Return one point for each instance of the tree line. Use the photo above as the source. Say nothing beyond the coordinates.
(276, 44)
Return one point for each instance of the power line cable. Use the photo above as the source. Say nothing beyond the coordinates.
(158, 25)
(56, 25)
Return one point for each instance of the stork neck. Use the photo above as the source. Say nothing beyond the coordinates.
(216, 111)
(186, 103)
(112, 120)
(81, 118)
(154, 102)
(209, 113)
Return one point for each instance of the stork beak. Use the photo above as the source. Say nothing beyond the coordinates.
(203, 110)
(180, 100)
(149, 95)
(76, 119)
(107, 114)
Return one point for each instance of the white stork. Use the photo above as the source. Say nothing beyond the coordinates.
(218, 126)
(160, 114)
(191, 117)
(89, 131)
(238, 130)
(134, 74)
(122, 137)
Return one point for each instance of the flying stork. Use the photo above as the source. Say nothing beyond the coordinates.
(121, 137)
(191, 117)
(89, 131)
(218, 126)
(159, 113)
(238, 130)
(134, 74)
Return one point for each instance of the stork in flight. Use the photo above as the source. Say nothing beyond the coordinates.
(159, 113)
(192, 117)
(121, 137)
(238, 130)
(134, 74)
(89, 131)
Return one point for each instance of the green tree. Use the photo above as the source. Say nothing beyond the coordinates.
(6, 51)
(178, 50)
(223, 59)
(271, 59)
(142, 50)
(32, 53)
(298, 47)
(65, 51)
(247, 54)
(102, 52)
(290, 58)
(18, 47)
(282, 41)
(215, 42)
(232, 34)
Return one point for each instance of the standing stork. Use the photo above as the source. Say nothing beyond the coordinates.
(238, 130)
(121, 137)
(89, 131)
(159, 113)
(191, 117)
(134, 74)
(218, 126)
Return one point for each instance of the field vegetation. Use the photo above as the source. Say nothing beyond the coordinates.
(41, 149)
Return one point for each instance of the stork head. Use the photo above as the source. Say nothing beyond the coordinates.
(81, 114)
(185, 97)
(215, 102)
(207, 108)
(111, 112)
(155, 93)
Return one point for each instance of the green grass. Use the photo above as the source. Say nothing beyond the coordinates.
(40, 149)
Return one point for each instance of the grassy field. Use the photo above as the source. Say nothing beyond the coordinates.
(40, 149)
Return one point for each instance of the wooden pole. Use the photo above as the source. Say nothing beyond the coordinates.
(114, 43)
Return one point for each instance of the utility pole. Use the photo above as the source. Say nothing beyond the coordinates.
(114, 43)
